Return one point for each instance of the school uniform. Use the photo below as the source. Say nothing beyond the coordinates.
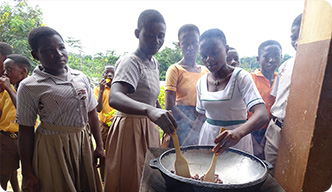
(104, 120)
(227, 108)
(9, 153)
(130, 136)
(183, 82)
(63, 151)
(278, 110)
(264, 87)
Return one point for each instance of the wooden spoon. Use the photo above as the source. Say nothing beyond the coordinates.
(180, 164)
(209, 176)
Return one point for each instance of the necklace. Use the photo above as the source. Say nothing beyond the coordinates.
(220, 80)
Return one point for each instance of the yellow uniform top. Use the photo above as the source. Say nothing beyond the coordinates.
(106, 107)
(8, 115)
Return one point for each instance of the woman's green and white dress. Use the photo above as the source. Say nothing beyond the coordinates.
(227, 108)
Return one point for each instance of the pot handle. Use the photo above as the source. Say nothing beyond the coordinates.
(268, 164)
(154, 163)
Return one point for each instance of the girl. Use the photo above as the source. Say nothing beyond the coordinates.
(181, 79)
(224, 95)
(134, 93)
(59, 155)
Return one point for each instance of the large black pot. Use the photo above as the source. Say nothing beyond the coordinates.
(239, 170)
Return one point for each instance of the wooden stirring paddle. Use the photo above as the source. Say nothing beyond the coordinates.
(209, 175)
(180, 164)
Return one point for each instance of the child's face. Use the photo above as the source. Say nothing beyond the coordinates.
(233, 58)
(151, 37)
(295, 31)
(213, 52)
(108, 73)
(189, 44)
(14, 72)
(270, 58)
(52, 53)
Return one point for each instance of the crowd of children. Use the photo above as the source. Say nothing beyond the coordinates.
(58, 154)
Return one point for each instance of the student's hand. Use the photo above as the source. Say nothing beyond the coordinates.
(226, 139)
(30, 184)
(163, 118)
(99, 154)
(102, 84)
(5, 83)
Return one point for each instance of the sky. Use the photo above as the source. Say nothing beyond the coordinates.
(109, 24)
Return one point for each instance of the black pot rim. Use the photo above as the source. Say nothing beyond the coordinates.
(207, 184)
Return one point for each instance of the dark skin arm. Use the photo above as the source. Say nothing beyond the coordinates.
(170, 98)
(95, 129)
(26, 148)
(5, 84)
(229, 138)
(102, 84)
(119, 100)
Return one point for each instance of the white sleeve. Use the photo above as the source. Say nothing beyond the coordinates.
(248, 89)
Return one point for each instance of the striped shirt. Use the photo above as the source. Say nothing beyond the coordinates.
(142, 76)
(63, 101)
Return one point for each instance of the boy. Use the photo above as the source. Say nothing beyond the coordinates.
(233, 57)
(59, 155)
(269, 57)
(16, 68)
(280, 91)
(101, 93)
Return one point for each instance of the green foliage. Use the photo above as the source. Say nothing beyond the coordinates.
(166, 58)
(251, 63)
(89, 65)
(161, 100)
(169, 56)
(110, 114)
(285, 58)
(161, 97)
(15, 24)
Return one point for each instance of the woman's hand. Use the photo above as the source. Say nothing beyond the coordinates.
(226, 139)
(99, 153)
(30, 183)
(163, 118)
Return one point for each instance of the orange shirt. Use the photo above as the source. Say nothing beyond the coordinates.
(264, 88)
(183, 83)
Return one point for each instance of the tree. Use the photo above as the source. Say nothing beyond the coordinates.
(285, 58)
(166, 58)
(76, 44)
(15, 24)
(251, 63)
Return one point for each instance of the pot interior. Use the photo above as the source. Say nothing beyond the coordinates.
(233, 166)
